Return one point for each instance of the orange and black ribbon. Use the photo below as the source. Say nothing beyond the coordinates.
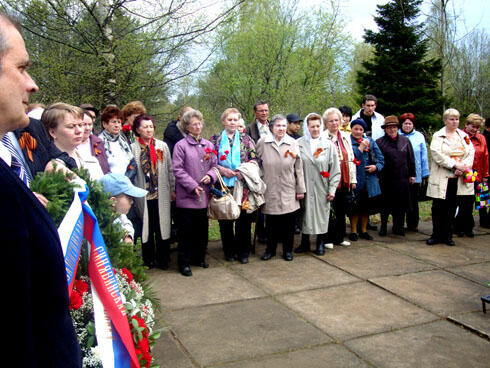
(288, 152)
(27, 142)
(317, 152)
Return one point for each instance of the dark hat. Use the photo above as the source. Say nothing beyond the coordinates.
(292, 118)
(390, 120)
(87, 106)
(360, 122)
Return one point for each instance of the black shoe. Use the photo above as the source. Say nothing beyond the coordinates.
(365, 236)
(230, 259)
(353, 237)
(450, 242)
(370, 226)
(432, 241)
(186, 271)
(266, 256)
(382, 230)
(288, 256)
(203, 264)
(470, 234)
(304, 245)
(320, 249)
(399, 232)
(297, 230)
(243, 260)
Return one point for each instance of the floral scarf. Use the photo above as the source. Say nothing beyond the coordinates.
(148, 163)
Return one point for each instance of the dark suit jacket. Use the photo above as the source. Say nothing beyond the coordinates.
(253, 131)
(172, 135)
(38, 323)
(45, 150)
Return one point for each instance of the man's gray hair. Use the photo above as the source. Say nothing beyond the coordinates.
(5, 21)
(275, 119)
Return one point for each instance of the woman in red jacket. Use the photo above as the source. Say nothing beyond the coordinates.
(464, 222)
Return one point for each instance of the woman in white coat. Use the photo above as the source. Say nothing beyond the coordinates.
(155, 174)
(322, 175)
(452, 154)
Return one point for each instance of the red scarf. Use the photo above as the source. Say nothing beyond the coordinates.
(153, 153)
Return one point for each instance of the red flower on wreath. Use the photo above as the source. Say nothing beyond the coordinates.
(81, 286)
(127, 128)
(325, 174)
(127, 275)
(76, 300)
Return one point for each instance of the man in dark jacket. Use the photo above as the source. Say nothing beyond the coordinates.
(174, 133)
(40, 329)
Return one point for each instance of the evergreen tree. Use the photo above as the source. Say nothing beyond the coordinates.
(400, 74)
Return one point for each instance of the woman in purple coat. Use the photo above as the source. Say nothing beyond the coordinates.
(193, 160)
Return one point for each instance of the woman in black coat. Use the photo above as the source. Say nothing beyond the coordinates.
(397, 175)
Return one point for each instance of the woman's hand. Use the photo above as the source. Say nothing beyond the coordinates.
(364, 144)
(411, 180)
(460, 166)
(44, 201)
(370, 168)
(229, 173)
(330, 197)
(353, 186)
(172, 195)
(239, 175)
(206, 179)
(300, 196)
(458, 172)
(198, 191)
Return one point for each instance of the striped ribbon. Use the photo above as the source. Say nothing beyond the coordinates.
(17, 162)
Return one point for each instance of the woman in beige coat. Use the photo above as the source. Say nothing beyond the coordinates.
(452, 154)
(332, 118)
(155, 174)
(282, 168)
(322, 175)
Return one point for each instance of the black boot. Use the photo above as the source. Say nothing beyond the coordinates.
(383, 229)
(320, 245)
(304, 245)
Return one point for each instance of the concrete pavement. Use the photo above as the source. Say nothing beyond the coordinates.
(391, 302)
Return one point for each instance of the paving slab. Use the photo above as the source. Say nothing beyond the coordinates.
(434, 345)
(476, 321)
(375, 261)
(439, 291)
(241, 330)
(480, 242)
(168, 354)
(206, 286)
(353, 310)
(443, 255)
(278, 276)
(331, 356)
(479, 272)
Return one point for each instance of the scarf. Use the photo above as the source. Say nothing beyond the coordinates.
(108, 137)
(344, 165)
(148, 163)
(232, 158)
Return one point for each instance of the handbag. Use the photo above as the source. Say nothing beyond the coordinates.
(224, 206)
(350, 203)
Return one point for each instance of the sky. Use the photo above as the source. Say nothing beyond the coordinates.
(359, 14)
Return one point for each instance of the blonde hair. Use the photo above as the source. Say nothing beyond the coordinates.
(56, 112)
(450, 112)
(331, 111)
(475, 119)
(228, 111)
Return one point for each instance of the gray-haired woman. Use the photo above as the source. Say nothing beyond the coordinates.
(283, 174)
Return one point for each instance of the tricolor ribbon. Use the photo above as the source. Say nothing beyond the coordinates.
(111, 324)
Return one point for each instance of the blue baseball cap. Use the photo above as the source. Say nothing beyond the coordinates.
(116, 184)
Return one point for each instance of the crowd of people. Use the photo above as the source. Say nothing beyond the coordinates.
(342, 166)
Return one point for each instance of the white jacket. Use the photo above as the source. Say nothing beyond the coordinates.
(376, 121)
